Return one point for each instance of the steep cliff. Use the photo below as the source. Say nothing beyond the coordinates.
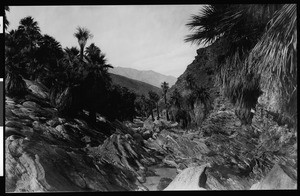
(203, 71)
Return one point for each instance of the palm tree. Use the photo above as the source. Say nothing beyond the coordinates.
(47, 55)
(142, 106)
(82, 35)
(176, 98)
(28, 36)
(97, 78)
(242, 27)
(70, 54)
(154, 98)
(165, 87)
(205, 24)
(203, 95)
(94, 52)
(30, 31)
(15, 86)
(98, 63)
(275, 58)
(242, 24)
(190, 81)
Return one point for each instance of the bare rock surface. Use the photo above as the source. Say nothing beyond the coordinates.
(47, 152)
(188, 179)
(278, 178)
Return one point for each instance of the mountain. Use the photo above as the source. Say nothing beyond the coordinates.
(149, 76)
(140, 88)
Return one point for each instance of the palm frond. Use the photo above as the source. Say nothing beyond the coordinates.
(83, 33)
(205, 24)
(275, 56)
(164, 86)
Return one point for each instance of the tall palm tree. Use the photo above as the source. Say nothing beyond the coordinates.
(82, 34)
(47, 55)
(97, 78)
(98, 63)
(165, 88)
(30, 31)
(203, 95)
(71, 53)
(94, 52)
(28, 36)
(15, 86)
(154, 98)
(176, 98)
(49, 50)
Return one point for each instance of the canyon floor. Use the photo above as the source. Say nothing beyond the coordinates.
(45, 152)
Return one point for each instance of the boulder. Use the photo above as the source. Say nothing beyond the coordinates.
(138, 122)
(37, 89)
(55, 168)
(138, 138)
(188, 179)
(148, 124)
(86, 139)
(278, 178)
(53, 122)
(147, 134)
(163, 183)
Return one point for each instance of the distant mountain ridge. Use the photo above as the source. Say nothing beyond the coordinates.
(140, 88)
(148, 76)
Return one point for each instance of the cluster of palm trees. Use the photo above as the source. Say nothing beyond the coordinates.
(77, 79)
(145, 105)
(261, 53)
(201, 94)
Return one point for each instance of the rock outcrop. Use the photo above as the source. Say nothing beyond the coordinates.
(280, 177)
(188, 179)
(203, 71)
(45, 152)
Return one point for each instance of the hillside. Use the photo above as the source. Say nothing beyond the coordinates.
(148, 76)
(140, 88)
(202, 69)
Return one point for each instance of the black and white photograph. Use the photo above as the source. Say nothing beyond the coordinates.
(170, 97)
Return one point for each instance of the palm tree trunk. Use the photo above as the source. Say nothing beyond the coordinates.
(81, 52)
(157, 111)
(168, 119)
(152, 114)
(166, 107)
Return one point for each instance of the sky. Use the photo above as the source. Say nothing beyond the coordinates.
(143, 37)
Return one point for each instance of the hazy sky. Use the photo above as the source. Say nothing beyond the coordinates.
(144, 37)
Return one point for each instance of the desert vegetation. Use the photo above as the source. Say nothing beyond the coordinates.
(78, 79)
(260, 56)
(228, 123)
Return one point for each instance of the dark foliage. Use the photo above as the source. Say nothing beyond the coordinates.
(244, 25)
(77, 80)
(153, 99)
